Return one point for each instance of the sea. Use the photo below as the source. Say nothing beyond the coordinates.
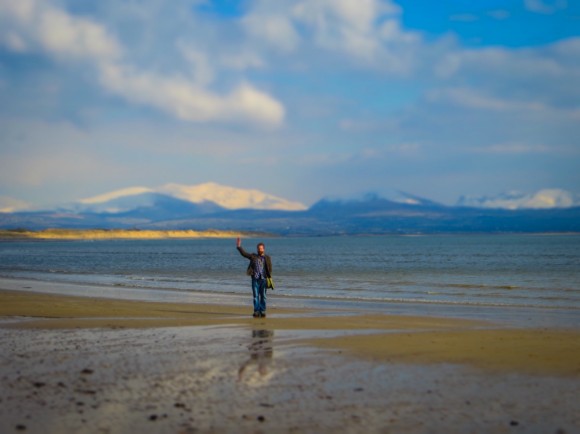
(510, 276)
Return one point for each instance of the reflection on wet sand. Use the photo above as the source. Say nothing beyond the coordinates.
(261, 352)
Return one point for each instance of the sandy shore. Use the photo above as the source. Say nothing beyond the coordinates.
(114, 234)
(81, 364)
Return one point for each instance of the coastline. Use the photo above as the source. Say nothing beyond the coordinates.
(117, 234)
(158, 234)
(412, 339)
(87, 364)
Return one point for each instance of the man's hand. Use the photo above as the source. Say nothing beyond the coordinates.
(238, 242)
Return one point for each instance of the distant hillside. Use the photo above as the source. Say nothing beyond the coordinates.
(202, 195)
(372, 215)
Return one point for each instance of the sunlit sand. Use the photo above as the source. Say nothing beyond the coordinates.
(83, 364)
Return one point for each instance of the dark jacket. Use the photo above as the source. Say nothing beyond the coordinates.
(254, 257)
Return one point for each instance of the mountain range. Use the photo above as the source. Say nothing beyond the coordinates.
(212, 206)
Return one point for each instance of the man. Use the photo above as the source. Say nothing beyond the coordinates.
(259, 269)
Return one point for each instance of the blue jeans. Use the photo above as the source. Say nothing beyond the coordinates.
(259, 293)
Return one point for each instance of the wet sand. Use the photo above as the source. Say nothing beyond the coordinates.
(82, 364)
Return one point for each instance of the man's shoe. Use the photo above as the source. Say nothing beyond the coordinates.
(263, 314)
(256, 315)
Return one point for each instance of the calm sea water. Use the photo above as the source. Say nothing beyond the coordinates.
(486, 270)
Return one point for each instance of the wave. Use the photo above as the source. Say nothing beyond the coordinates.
(327, 288)
(387, 300)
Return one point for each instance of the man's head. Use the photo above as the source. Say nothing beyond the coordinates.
(261, 248)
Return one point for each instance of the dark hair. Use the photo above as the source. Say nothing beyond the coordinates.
(260, 244)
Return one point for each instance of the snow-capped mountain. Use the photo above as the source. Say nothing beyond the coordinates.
(220, 196)
(214, 207)
(230, 197)
(542, 199)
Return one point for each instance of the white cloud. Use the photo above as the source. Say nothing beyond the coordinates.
(542, 199)
(545, 6)
(464, 18)
(242, 60)
(472, 98)
(368, 32)
(14, 42)
(544, 78)
(568, 52)
(50, 168)
(61, 34)
(499, 14)
(361, 29)
(187, 101)
(9, 204)
(276, 30)
(400, 95)
(202, 71)
(408, 149)
(515, 148)
(39, 23)
(38, 156)
(341, 25)
(524, 62)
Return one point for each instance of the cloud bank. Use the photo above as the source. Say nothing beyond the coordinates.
(543, 199)
(39, 26)
(305, 99)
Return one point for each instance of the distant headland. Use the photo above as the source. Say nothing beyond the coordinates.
(110, 234)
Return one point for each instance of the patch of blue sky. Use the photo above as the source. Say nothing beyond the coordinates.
(223, 8)
(492, 23)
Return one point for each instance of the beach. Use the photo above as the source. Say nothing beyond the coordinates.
(93, 364)
(114, 234)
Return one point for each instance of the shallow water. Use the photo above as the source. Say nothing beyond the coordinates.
(460, 271)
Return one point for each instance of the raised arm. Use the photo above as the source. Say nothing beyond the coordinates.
(241, 249)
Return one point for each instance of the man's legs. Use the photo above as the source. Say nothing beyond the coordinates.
(256, 295)
(259, 294)
(262, 297)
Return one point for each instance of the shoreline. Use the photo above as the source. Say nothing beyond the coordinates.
(506, 315)
(410, 338)
(118, 234)
(93, 364)
(68, 234)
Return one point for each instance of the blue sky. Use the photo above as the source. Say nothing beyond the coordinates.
(303, 99)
